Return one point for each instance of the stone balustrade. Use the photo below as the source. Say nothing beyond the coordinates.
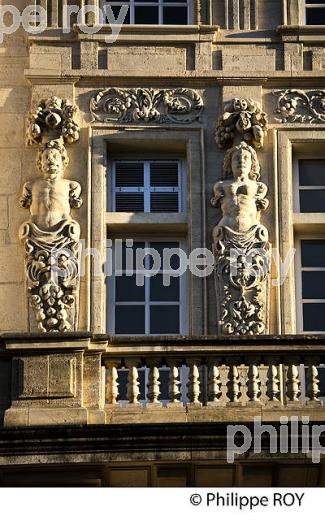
(76, 378)
(219, 378)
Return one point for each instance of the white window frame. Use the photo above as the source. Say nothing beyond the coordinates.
(295, 181)
(147, 189)
(183, 286)
(161, 5)
(311, 6)
(298, 278)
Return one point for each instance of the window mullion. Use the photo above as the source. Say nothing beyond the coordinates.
(147, 187)
(147, 292)
(132, 12)
(161, 13)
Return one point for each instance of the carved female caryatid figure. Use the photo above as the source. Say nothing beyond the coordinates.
(51, 238)
(241, 244)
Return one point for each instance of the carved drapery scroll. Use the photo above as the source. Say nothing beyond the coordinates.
(51, 235)
(143, 105)
(299, 106)
(241, 246)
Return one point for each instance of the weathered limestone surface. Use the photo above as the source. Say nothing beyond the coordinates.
(251, 50)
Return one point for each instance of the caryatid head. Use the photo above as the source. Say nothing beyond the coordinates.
(241, 161)
(52, 159)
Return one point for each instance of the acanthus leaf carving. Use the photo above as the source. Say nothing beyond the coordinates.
(299, 106)
(143, 105)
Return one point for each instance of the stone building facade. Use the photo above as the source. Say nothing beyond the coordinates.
(201, 126)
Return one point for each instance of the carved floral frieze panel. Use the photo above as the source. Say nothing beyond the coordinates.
(143, 105)
(300, 106)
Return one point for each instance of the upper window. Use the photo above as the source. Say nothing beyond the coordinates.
(168, 12)
(315, 12)
(147, 186)
(310, 195)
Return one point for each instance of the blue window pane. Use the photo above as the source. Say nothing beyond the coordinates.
(160, 292)
(312, 201)
(146, 15)
(127, 289)
(313, 285)
(315, 16)
(314, 316)
(116, 12)
(164, 319)
(312, 172)
(175, 15)
(129, 253)
(129, 319)
(313, 253)
(160, 247)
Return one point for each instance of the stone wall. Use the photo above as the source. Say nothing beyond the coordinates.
(246, 57)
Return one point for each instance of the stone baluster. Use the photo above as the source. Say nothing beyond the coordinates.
(273, 381)
(312, 381)
(214, 380)
(174, 382)
(293, 382)
(193, 384)
(233, 383)
(254, 382)
(133, 390)
(154, 383)
(112, 385)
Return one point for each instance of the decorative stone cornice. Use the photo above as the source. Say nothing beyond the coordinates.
(243, 118)
(143, 105)
(300, 106)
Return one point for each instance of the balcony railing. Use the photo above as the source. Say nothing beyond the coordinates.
(220, 376)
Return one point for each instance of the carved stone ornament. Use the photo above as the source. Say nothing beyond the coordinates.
(241, 246)
(51, 237)
(243, 118)
(298, 106)
(52, 119)
(143, 105)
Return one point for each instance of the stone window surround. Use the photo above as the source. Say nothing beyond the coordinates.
(290, 142)
(193, 224)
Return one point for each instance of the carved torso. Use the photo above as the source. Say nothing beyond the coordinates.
(240, 201)
(50, 200)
